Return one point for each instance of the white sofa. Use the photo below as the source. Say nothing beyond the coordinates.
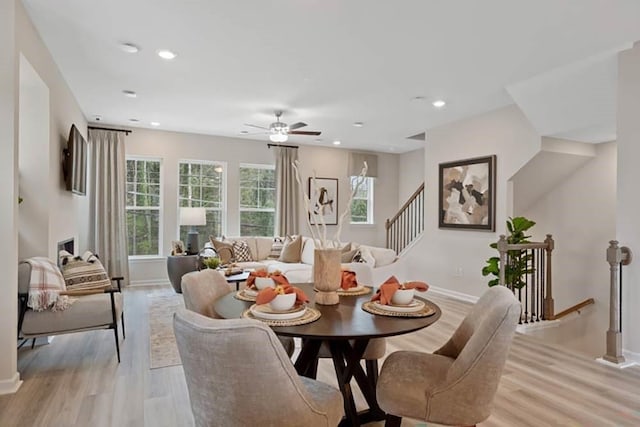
(379, 265)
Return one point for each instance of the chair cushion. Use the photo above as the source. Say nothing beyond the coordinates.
(87, 312)
(83, 273)
(327, 398)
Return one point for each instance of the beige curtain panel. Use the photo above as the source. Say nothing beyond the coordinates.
(287, 192)
(108, 224)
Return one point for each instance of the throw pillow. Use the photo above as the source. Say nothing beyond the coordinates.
(241, 251)
(224, 249)
(348, 256)
(276, 248)
(83, 273)
(291, 250)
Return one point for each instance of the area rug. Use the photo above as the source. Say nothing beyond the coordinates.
(163, 350)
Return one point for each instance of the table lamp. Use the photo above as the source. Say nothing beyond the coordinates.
(193, 217)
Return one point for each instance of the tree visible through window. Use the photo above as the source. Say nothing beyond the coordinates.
(201, 184)
(362, 204)
(143, 206)
(257, 200)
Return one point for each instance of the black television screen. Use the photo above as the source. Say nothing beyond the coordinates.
(75, 164)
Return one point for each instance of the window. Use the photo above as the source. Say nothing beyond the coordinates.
(201, 185)
(257, 200)
(143, 206)
(362, 204)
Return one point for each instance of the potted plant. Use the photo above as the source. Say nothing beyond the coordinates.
(518, 261)
(211, 262)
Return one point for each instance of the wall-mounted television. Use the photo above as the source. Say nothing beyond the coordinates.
(75, 162)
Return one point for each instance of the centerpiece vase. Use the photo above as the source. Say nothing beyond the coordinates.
(327, 275)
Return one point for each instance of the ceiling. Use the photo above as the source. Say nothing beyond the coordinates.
(331, 63)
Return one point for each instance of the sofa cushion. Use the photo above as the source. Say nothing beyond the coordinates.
(383, 256)
(241, 251)
(308, 249)
(276, 248)
(263, 248)
(224, 249)
(292, 249)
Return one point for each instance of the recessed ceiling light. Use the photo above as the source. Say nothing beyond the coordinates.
(166, 54)
(358, 124)
(337, 142)
(418, 98)
(439, 103)
(155, 123)
(130, 93)
(129, 48)
(97, 118)
(134, 120)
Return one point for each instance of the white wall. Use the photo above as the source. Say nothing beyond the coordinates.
(68, 213)
(410, 174)
(33, 169)
(627, 202)
(580, 213)
(172, 147)
(9, 377)
(441, 254)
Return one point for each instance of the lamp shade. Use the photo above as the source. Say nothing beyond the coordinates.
(193, 216)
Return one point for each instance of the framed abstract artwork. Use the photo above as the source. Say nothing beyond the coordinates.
(467, 198)
(324, 200)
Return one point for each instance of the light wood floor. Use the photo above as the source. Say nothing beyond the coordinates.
(76, 381)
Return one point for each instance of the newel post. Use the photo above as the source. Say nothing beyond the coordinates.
(549, 309)
(616, 256)
(502, 250)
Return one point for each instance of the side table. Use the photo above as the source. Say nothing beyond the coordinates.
(179, 265)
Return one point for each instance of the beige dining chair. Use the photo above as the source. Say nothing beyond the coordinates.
(238, 375)
(201, 289)
(456, 384)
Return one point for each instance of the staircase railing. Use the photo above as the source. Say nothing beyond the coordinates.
(408, 223)
(535, 290)
(617, 256)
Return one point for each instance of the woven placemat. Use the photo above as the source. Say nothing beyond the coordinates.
(364, 291)
(373, 308)
(243, 297)
(310, 315)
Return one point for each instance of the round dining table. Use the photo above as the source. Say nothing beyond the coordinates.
(346, 329)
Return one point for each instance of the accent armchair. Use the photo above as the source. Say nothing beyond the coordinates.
(239, 375)
(456, 384)
(92, 310)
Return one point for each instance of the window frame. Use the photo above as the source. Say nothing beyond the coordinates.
(223, 207)
(159, 208)
(370, 201)
(241, 209)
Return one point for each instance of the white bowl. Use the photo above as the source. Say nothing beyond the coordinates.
(283, 302)
(264, 282)
(402, 297)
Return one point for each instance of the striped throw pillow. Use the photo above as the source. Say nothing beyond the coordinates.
(83, 273)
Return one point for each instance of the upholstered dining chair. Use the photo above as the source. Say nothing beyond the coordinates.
(238, 375)
(200, 289)
(456, 384)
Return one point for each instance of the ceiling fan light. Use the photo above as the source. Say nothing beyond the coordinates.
(278, 137)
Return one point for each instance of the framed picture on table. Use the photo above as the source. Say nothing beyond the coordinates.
(467, 198)
(323, 194)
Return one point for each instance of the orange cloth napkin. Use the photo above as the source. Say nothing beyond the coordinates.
(268, 294)
(391, 285)
(348, 280)
(278, 277)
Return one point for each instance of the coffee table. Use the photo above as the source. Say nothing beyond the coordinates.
(337, 325)
(237, 278)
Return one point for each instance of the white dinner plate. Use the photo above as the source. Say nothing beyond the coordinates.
(250, 292)
(414, 305)
(265, 312)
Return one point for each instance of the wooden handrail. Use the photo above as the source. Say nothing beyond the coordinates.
(405, 206)
(571, 309)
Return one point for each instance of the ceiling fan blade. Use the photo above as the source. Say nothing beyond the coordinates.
(254, 133)
(256, 126)
(302, 132)
(297, 125)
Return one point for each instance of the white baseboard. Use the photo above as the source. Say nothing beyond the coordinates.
(622, 365)
(150, 282)
(631, 356)
(454, 294)
(11, 385)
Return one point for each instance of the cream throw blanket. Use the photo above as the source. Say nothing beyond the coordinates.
(45, 285)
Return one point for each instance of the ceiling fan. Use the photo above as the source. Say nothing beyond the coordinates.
(279, 131)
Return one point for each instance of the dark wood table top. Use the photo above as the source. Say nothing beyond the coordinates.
(346, 320)
(240, 277)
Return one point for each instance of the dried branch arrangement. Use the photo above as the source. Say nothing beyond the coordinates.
(319, 229)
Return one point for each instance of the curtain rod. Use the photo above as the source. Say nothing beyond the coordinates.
(126, 131)
(281, 145)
